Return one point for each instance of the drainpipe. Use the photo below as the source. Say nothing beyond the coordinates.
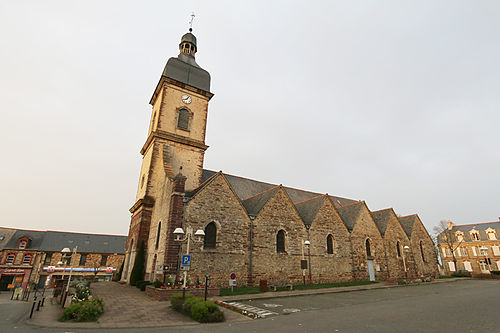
(250, 250)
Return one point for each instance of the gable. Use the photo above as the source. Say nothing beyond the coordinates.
(364, 224)
(327, 215)
(309, 208)
(350, 214)
(279, 207)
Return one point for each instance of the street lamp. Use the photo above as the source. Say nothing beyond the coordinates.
(406, 248)
(65, 252)
(181, 236)
(307, 243)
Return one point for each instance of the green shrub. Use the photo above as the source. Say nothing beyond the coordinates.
(89, 310)
(158, 283)
(461, 274)
(495, 272)
(176, 301)
(197, 308)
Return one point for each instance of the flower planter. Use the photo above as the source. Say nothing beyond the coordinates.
(164, 294)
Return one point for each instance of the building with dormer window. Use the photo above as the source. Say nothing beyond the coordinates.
(477, 248)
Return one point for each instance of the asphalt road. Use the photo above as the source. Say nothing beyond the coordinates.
(461, 306)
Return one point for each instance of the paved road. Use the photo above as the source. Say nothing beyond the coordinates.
(462, 306)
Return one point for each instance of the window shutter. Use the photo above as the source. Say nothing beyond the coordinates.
(474, 253)
(496, 250)
(498, 265)
(451, 265)
(444, 252)
(457, 252)
(468, 266)
(183, 121)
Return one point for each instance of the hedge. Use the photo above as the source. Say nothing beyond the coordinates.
(89, 310)
(197, 308)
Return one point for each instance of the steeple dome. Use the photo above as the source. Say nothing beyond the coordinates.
(184, 68)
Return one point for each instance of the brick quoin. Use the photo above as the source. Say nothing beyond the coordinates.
(176, 216)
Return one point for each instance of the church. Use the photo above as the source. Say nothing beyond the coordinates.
(256, 230)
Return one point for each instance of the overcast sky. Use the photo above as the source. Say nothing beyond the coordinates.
(392, 102)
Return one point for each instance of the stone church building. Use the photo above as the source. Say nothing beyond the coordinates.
(254, 229)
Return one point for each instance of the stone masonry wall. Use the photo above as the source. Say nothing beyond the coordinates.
(396, 266)
(365, 228)
(330, 267)
(426, 266)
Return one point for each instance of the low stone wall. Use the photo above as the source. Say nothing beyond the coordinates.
(165, 294)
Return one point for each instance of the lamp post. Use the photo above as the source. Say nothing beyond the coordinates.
(65, 252)
(307, 243)
(181, 236)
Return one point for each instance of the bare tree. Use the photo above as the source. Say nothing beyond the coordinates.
(444, 233)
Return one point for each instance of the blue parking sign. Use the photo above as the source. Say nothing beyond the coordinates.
(186, 260)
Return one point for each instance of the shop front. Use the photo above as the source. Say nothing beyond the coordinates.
(14, 278)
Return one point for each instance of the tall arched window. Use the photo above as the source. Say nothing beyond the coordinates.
(368, 248)
(183, 119)
(329, 244)
(210, 236)
(280, 241)
(158, 235)
(398, 249)
(422, 250)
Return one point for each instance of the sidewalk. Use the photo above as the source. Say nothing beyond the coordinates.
(277, 294)
(124, 307)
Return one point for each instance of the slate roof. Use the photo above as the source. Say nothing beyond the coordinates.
(481, 227)
(55, 241)
(5, 235)
(35, 237)
(246, 188)
(381, 218)
(407, 223)
(309, 208)
(254, 204)
(350, 214)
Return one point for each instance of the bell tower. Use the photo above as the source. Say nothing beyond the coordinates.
(175, 144)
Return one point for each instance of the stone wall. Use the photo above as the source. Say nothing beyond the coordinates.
(161, 294)
(330, 267)
(425, 263)
(396, 262)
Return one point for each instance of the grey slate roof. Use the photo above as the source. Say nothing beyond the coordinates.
(481, 227)
(309, 208)
(407, 223)
(5, 235)
(35, 237)
(183, 70)
(245, 188)
(254, 204)
(55, 241)
(350, 214)
(381, 218)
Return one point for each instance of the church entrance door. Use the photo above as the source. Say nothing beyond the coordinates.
(371, 270)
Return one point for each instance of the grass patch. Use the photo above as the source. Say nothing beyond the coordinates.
(446, 277)
(255, 290)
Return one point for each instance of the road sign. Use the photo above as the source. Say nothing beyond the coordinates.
(232, 283)
(186, 259)
(51, 269)
(232, 276)
(185, 267)
(109, 270)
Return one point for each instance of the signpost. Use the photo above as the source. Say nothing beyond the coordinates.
(186, 262)
(232, 281)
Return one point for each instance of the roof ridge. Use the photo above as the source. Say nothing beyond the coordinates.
(84, 233)
(380, 210)
(461, 225)
(316, 197)
(400, 217)
(269, 189)
(352, 203)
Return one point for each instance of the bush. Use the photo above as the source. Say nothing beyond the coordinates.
(197, 308)
(89, 310)
(461, 274)
(495, 272)
(157, 283)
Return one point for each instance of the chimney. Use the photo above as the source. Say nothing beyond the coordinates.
(450, 225)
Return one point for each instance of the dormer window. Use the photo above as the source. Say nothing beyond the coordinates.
(492, 235)
(23, 243)
(459, 236)
(474, 234)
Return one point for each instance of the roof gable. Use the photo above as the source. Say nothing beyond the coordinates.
(382, 218)
(254, 204)
(350, 214)
(407, 223)
(309, 208)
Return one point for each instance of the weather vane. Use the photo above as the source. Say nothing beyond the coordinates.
(191, 22)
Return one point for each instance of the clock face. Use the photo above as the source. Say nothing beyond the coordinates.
(186, 99)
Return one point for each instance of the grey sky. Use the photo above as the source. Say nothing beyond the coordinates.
(392, 102)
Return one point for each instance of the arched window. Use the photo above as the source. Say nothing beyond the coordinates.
(158, 235)
(329, 244)
(280, 241)
(422, 250)
(210, 236)
(398, 249)
(368, 248)
(183, 120)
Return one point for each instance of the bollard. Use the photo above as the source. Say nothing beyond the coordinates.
(32, 308)
(43, 301)
(12, 296)
(207, 281)
(38, 306)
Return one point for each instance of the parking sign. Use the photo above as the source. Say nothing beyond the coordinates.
(186, 260)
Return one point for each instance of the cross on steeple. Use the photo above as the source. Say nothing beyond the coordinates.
(191, 22)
